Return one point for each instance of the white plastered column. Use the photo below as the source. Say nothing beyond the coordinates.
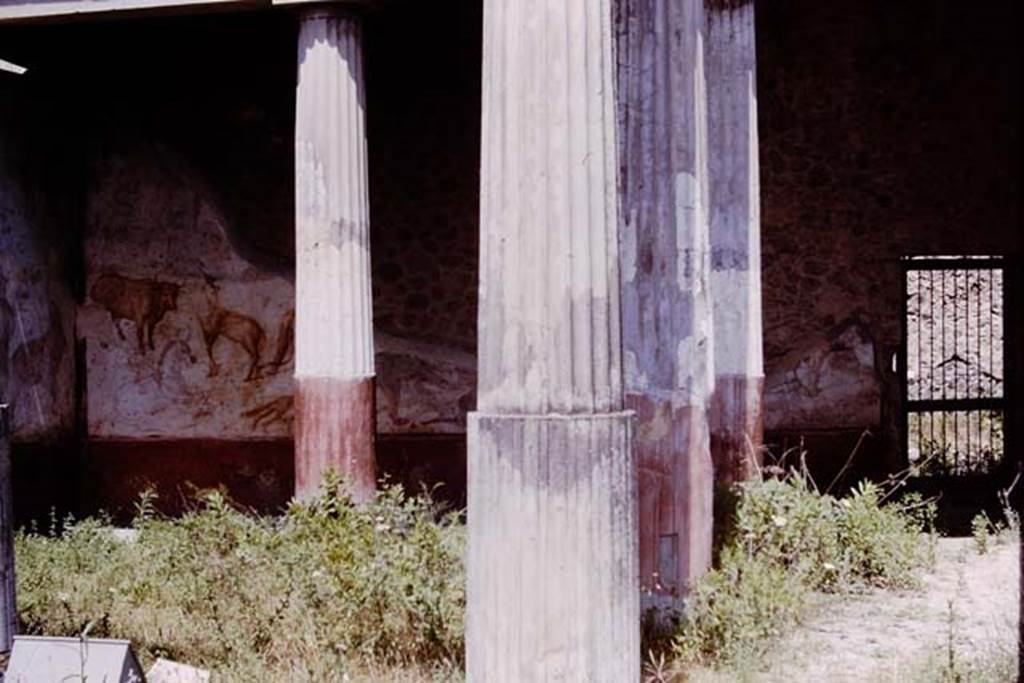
(334, 364)
(552, 568)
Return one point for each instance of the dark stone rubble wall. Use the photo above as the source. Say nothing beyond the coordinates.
(887, 129)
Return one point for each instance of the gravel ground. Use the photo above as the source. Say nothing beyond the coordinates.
(883, 635)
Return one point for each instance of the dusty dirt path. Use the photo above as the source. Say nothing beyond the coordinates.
(882, 635)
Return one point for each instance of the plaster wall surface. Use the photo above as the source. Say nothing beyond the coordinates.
(36, 307)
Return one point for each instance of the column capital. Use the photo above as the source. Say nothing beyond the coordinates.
(333, 7)
(318, 9)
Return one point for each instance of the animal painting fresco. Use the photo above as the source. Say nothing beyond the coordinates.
(141, 302)
(284, 349)
(235, 327)
(223, 349)
(266, 414)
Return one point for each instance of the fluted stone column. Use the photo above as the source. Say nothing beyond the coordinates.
(334, 371)
(667, 322)
(13, 229)
(552, 571)
(735, 416)
(8, 605)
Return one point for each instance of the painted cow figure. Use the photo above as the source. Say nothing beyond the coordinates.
(143, 302)
(238, 328)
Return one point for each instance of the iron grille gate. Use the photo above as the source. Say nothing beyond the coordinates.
(953, 364)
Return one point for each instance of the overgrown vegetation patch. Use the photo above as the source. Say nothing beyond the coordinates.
(788, 540)
(326, 588)
(331, 587)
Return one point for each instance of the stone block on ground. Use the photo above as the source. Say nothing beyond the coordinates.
(166, 671)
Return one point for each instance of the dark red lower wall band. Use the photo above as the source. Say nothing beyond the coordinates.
(109, 474)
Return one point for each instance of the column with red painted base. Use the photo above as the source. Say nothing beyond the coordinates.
(334, 366)
(735, 415)
(666, 298)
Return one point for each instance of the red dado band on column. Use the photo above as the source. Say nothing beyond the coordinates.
(334, 365)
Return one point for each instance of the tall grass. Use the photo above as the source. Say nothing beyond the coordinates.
(327, 590)
(336, 591)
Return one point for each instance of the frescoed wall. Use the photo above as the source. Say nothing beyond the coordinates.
(879, 139)
(186, 338)
(173, 175)
(183, 337)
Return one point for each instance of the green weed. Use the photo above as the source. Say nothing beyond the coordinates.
(788, 540)
(323, 592)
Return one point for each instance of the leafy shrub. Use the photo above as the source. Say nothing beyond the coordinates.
(784, 524)
(986, 531)
(325, 588)
(786, 541)
(331, 587)
(738, 608)
(881, 544)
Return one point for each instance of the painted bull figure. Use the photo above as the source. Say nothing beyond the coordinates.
(143, 302)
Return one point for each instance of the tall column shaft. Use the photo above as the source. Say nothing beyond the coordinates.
(8, 608)
(334, 368)
(552, 573)
(667, 323)
(736, 416)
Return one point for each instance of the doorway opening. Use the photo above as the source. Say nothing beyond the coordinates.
(954, 362)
